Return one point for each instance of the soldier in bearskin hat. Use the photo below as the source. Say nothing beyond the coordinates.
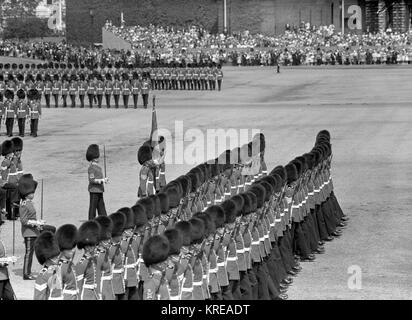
(99, 90)
(34, 105)
(56, 91)
(18, 149)
(73, 88)
(85, 269)
(104, 265)
(135, 88)
(155, 254)
(48, 285)
(48, 88)
(108, 89)
(10, 111)
(2, 87)
(116, 256)
(117, 89)
(91, 89)
(96, 182)
(30, 225)
(126, 89)
(146, 185)
(66, 237)
(22, 111)
(82, 89)
(65, 89)
(9, 179)
(6, 289)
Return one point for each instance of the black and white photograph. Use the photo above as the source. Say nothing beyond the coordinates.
(222, 151)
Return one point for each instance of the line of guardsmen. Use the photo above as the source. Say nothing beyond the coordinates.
(23, 109)
(226, 230)
(63, 82)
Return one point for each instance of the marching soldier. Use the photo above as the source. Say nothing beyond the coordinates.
(65, 89)
(18, 149)
(82, 89)
(166, 78)
(153, 78)
(211, 78)
(181, 77)
(126, 90)
(48, 88)
(116, 256)
(91, 90)
(195, 79)
(219, 77)
(145, 91)
(203, 78)
(104, 266)
(85, 269)
(34, 111)
(100, 90)
(39, 85)
(173, 78)
(73, 90)
(108, 89)
(159, 79)
(155, 257)
(56, 90)
(66, 237)
(22, 111)
(136, 88)
(48, 285)
(117, 88)
(189, 77)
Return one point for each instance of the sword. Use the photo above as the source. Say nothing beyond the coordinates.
(41, 203)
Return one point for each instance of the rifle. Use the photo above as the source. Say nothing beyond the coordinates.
(14, 237)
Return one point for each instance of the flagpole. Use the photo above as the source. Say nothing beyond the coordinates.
(41, 202)
(343, 17)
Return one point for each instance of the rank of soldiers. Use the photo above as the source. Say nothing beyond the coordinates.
(60, 82)
(228, 229)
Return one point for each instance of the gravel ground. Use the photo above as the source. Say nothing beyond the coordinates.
(367, 110)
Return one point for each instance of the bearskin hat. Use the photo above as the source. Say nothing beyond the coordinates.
(14, 66)
(185, 183)
(92, 152)
(108, 76)
(56, 65)
(55, 76)
(175, 239)
(140, 217)
(21, 94)
(253, 201)
(69, 66)
(39, 66)
(1, 77)
(129, 217)
(66, 237)
(7, 66)
(323, 133)
(17, 144)
(275, 181)
(8, 94)
(119, 222)
(26, 185)
(173, 197)
(291, 173)
(1, 66)
(88, 235)
(164, 202)
(281, 171)
(176, 185)
(185, 229)
(21, 66)
(39, 77)
(106, 227)
(260, 193)
(197, 231)
(268, 189)
(217, 214)
(144, 154)
(229, 207)
(247, 208)
(194, 181)
(46, 247)
(239, 202)
(148, 205)
(155, 250)
(207, 221)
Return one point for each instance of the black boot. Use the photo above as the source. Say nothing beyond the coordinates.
(28, 258)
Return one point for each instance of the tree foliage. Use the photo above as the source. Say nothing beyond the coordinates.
(25, 28)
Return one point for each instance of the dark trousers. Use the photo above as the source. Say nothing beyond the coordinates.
(64, 97)
(132, 293)
(56, 100)
(3, 197)
(107, 96)
(126, 101)
(6, 290)
(245, 286)
(96, 203)
(81, 97)
(47, 97)
(91, 98)
(116, 100)
(73, 99)
(253, 284)
(28, 256)
(34, 124)
(219, 84)
(22, 125)
(234, 286)
(99, 100)
(12, 197)
(323, 231)
(135, 100)
(145, 97)
(9, 126)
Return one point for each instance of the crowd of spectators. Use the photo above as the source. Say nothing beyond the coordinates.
(194, 46)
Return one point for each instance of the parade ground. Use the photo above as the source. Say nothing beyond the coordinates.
(368, 112)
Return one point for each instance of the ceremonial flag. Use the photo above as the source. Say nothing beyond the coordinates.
(154, 138)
